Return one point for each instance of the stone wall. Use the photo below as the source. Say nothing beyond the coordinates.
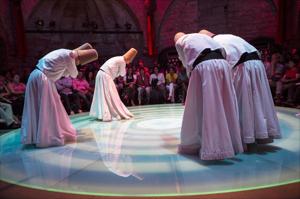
(248, 18)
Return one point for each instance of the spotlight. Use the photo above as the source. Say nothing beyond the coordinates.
(39, 22)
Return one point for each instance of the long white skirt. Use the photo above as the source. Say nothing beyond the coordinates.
(258, 119)
(45, 121)
(106, 103)
(210, 124)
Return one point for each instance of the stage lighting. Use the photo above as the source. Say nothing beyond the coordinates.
(39, 23)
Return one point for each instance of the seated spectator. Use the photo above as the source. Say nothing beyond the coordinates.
(4, 92)
(288, 82)
(82, 89)
(142, 65)
(143, 86)
(277, 69)
(130, 87)
(182, 82)
(8, 77)
(120, 84)
(16, 87)
(65, 89)
(171, 78)
(7, 115)
(90, 78)
(156, 94)
(267, 64)
(17, 92)
(160, 81)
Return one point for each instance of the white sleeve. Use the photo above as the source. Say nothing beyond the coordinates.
(179, 49)
(122, 71)
(121, 64)
(66, 73)
(71, 68)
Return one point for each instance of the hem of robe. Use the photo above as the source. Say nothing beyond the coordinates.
(217, 155)
(60, 142)
(253, 68)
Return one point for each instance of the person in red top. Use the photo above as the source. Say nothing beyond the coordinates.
(143, 85)
(287, 82)
(17, 91)
(82, 87)
(16, 87)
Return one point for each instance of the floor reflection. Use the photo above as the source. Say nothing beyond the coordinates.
(139, 156)
(109, 141)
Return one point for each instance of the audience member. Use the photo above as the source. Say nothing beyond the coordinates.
(160, 81)
(171, 78)
(70, 99)
(143, 86)
(82, 88)
(277, 69)
(182, 82)
(287, 82)
(130, 87)
(7, 115)
(90, 78)
(17, 91)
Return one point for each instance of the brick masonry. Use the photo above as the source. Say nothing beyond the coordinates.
(248, 18)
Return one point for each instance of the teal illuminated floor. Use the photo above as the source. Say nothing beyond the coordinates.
(139, 157)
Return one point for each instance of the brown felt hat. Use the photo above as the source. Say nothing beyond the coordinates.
(178, 35)
(206, 32)
(129, 55)
(85, 46)
(87, 56)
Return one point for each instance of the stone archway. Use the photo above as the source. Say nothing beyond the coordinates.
(110, 26)
(248, 19)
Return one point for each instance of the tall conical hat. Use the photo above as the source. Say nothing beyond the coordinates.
(85, 46)
(130, 54)
(87, 56)
(178, 35)
(206, 32)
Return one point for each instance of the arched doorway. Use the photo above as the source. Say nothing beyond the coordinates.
(110, 26)
(248, 19)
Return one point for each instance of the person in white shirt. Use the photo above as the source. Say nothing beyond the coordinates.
(258, 119)
(106, 103)
(210, 125)
(45, 121)
(160, 80)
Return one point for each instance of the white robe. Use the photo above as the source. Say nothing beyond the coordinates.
(258, 119)
(45, 122)
(106, 103)
(210, 122)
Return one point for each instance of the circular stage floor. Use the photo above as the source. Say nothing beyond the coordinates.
(138, 157)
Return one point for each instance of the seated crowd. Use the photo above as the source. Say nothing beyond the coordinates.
(143, 85)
